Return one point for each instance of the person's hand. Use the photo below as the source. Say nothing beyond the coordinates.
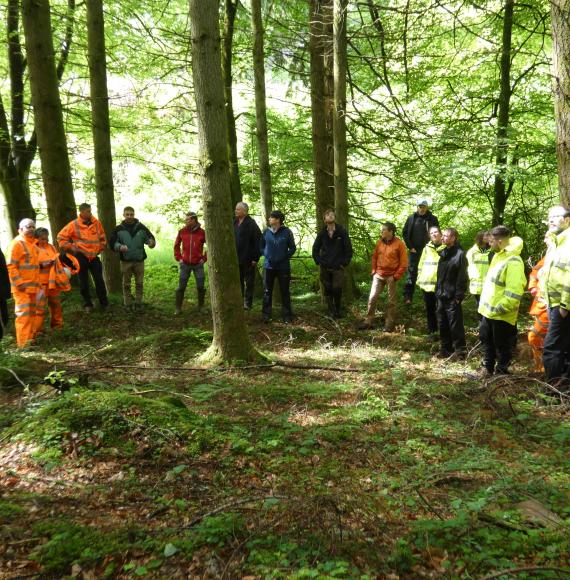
(413, 251)
(181, 261)
(563, 312)
(40, 295)
(253, 263)
(123, 248)
(151, 243)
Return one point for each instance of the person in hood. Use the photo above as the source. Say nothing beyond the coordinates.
(128, 239)
(189, 253)
(277, 247)
(502, 292)
(247, 235)
(416, 236)
(450, 290)
(555, 287)
(332, 252)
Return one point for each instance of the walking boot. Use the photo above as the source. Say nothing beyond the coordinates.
(179, 297)
(201, 296)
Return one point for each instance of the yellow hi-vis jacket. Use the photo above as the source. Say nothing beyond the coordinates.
(555, 281)
(504, 284)
(478, 261)
(427, 267)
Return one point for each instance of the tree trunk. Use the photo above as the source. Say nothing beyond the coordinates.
(261, 110)
(231, 7)
(321, 136)
(56, 172)
(560, 13)
(501, 160)
(102, 137)
(231, 339)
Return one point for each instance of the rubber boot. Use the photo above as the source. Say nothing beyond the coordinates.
(179, 297)
(201, 296)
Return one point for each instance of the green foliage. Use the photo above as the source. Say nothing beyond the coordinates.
(9, 510)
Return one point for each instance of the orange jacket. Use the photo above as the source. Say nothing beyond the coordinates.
(59, 275)
(46, 256)
(89, 239)
(23, 265)
(538, 306)
(390, 258)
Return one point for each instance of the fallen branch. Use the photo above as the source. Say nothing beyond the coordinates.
(15, 376)
(526, 569)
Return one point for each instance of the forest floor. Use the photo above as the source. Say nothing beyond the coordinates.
(358, 454)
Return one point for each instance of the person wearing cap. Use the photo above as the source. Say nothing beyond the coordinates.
(277, 247)
(416, 236)
(247, 235)
(189, 253)
(84, 237)
(555, 288)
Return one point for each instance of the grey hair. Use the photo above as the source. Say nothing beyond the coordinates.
(243, 205)
(25, 221)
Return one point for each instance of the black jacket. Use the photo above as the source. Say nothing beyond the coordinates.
(335, 252)
(416, 230)
(248, 236)
(452, 278)
(5, 291)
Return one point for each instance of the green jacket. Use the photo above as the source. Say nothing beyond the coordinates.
(555, 281)
(427, 267)
(478, 261)
(504, 284)
(134, 236)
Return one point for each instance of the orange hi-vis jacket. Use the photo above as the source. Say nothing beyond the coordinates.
(87, 238)
(23, 265)
(46, 255)
(58, 276)
(538, 309)
(390, 258)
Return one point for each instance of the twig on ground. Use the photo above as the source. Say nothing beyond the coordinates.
(428, 505)
(526, 569)
(15, 376)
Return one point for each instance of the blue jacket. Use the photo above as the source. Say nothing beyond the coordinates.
(277, 247)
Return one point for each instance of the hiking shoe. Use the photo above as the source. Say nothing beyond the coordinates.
(444, 354)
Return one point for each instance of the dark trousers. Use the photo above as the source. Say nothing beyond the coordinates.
(451, 329)
(283, 277)
(498, 338)
(96, 268)
(3, 316)
(247, 281)
(556, 353)
(413, 262)
(431, 310)
(477, 299)
(332, 281)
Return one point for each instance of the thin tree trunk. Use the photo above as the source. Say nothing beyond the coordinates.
(231, 340)
(102, 137)
(501, 159)
(231, 7)
(56, 172)
(560, 13)
(321, 136)
(261, 110)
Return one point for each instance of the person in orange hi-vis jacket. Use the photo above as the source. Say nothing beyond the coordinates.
(24, 271)
(54, 279)
(85, 238)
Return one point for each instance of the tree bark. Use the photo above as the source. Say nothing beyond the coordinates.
(231, 7)
(502, 179)
(231, 339)
(102, 137)
(261, 110)
(52, 144)
(560, 14)
(321, 135)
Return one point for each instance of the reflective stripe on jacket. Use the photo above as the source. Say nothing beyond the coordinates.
(555, 282)
(89, 239)
(504, 284)
(46, 255)
(478, 261)
(23, 265)
(60, 273)
(427, 268)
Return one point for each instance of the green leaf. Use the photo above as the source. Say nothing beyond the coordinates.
(170, 550)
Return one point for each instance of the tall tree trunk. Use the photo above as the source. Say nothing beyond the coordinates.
(560, 13)
(502, 178)
(261, 109)
(321, 136)
(52, 144)
(231, 340)
(231, 7)
(102, 137)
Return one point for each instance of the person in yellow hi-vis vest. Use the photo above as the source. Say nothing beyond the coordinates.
(24, 271)
(478, 260)
(427, 278)
(503, 290)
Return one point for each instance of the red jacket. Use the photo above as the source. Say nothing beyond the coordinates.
(192, 246)
(390, 258)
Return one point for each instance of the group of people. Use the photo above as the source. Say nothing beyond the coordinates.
(431, 258)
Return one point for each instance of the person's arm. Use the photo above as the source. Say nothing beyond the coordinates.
(375, 257)
(403, 265)
(462, 279)
(515, 283)
(150, 239)
(347, 250)
(255, 240)
(317, 244)
(114, 240)
(65, 238)
(406, 232)
(177, 253)
(565, 293)
(291, 246)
